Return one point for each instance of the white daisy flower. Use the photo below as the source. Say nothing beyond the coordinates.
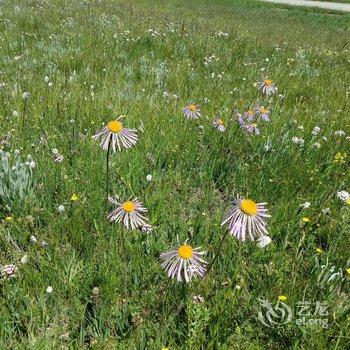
(129, 213)
(191, 111)
(184, 263)
(267, 87)
(115, 135)
(247, 219)
(219, 124)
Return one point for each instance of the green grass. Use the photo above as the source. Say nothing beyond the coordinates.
(99, 72)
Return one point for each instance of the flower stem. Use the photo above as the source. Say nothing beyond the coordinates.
(216, 253)
(107, 172)
(24, 114)
(251, 101)
(188, 295)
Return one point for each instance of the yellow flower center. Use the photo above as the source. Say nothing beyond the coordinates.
(267, 82)
(128, 206)
(74, 197)
(263, 110)
(185, 252)
(248, 207)
(220, 122)
(192, 107)
(114, 126)
(250, 112)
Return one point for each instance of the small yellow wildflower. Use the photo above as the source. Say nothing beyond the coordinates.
(319, 250)
(282, 298)
(348, 201)
(348, 271)
(305, 219)
(165, 348)
(74, 197)
(9, 218)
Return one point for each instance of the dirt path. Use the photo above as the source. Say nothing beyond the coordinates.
(320, 4)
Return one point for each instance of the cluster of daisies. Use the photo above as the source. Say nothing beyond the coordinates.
(245, 220)
(249, 120)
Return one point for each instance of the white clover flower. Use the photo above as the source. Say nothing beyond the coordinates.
(295, 140)
(15, 114)
(301, 128)
(58, 158)
(61, 208)
(46, 79)
(339, 133)
(33, 239)
(149, 177)
(31, 163)
(25, 95)
(343, 195)
(263, 241)
(305, 205)
(267, 148)
(325, 211)
(315, 130)
(316, 145)
(49, 290)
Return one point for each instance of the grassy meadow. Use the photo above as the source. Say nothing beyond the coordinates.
(81, 282)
